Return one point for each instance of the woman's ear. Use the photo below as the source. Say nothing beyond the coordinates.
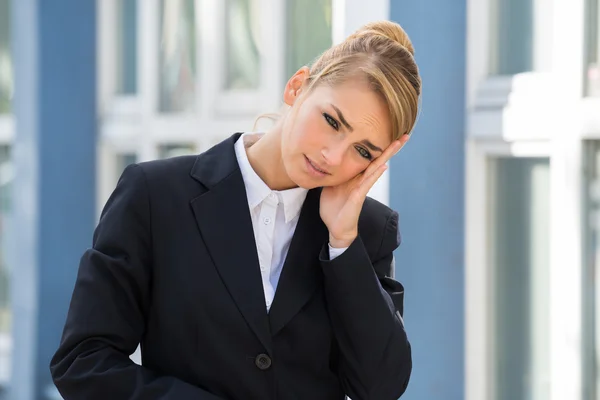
(294, 86)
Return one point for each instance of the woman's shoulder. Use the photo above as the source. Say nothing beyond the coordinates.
(168, 167)
(164, 178)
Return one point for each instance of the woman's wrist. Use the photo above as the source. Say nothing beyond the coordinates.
(340, 243)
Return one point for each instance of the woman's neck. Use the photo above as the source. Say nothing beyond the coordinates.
(264, 155)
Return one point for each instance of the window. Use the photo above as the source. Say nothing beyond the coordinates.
(521, 34)
(520, 243)
(182, 75)
(593, 49)
(242, 42)
(512, 36)
(127, 47)
(5, 193)
(309, 32)
(6, 73)
(591, 274)
(177, 56)
(5, 180)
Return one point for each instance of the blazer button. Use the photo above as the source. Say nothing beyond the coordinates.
(263, 361)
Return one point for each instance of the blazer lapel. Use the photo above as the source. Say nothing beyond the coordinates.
(225, 223)
(301, 274)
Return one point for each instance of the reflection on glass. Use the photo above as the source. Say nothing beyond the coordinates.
(127, 47)
(242, 44)
(520, 193)
(593, 50)
(308, 32)
(175, 150)
(6, 73)
(177, 62)
(512, 37)
(591, 274)
(5, 193)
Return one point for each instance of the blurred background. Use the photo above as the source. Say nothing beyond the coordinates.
(498, 190)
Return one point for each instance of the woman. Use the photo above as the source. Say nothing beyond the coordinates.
(258, 269)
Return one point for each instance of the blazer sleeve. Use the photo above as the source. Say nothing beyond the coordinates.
(106, 317)
(366, 307)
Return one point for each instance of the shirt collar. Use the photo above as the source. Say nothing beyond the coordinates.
(257, 190)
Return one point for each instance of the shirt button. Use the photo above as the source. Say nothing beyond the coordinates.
(267, 220)
(263, 362)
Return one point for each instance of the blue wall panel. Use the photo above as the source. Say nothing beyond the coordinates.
(54, 47)
(427, 189)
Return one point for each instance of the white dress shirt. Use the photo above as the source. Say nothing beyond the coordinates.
(274, 215)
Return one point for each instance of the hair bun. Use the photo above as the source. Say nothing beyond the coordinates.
(389, 29)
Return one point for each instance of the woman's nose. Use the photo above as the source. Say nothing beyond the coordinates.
(333, 154)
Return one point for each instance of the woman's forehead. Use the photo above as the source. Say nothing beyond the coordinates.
(364, 110)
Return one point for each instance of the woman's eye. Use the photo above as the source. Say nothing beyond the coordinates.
(331, 121)
(364, 153)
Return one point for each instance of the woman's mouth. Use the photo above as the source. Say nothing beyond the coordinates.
(314, 169)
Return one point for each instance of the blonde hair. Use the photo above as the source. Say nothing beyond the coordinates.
(382, 53)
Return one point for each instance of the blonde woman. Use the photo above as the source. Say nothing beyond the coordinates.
(259, 269)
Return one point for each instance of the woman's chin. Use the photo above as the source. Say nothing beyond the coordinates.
(304, 181)
(305, 184)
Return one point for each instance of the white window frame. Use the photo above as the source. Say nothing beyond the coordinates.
(479, 288)
(528, 115)
(133, 123)
(7, 129)
(232, 103)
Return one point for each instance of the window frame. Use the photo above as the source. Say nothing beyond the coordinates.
(479, 288)
(516, 116)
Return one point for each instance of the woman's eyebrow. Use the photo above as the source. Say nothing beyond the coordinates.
(370, 145)
(341, 117)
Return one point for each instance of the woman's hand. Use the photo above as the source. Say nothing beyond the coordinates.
(341, 205)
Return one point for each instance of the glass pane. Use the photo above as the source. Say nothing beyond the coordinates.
(591, 275)
(174, 150)
(5, 193)
(520, 190)
(127, 47)
(242, 44)
(593, 49)
(177, 62)
(512, 37)
(308, 32)
(6, 73)
(123, 160)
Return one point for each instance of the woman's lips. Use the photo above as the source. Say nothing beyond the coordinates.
(314, 169)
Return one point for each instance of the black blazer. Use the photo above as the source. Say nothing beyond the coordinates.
(174, 267)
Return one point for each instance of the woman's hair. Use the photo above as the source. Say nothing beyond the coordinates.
(382, 54)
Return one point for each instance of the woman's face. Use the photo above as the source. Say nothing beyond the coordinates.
(333, 133)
